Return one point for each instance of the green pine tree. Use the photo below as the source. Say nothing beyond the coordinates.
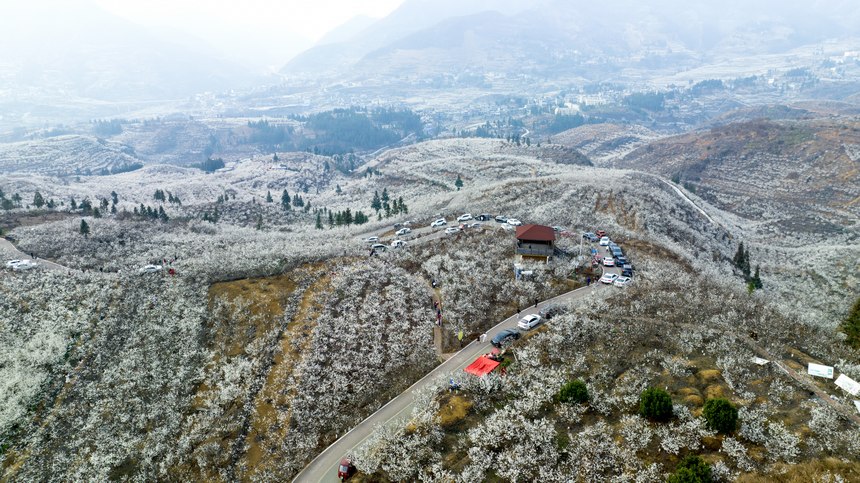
(269, 197)
(459, 182)
(319, 225)
(85, 229)
(38, 201)
(285, 200)
(376, 203)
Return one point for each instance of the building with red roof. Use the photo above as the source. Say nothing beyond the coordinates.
(535, 241)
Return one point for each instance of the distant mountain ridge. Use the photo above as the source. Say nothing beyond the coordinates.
(560, 36)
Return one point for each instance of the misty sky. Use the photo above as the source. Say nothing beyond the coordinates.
(231, 26)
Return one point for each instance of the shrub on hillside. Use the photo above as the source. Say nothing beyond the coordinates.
(721, 415)
(655, 404)
(573, 392)
(691, 469)
(851, 326)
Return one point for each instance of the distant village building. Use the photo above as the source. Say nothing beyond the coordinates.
(535, 242)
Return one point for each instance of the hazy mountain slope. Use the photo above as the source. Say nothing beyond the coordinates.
(411, 16)
(64, 155)
(558, 36)
(805, 174)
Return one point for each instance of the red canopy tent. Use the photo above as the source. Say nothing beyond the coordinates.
(482, 366)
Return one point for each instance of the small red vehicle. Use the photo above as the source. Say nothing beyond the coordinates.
(345, 469)
(600, 233)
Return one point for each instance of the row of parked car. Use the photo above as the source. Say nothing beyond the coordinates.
(467, 217)
(616, 258)
(21, 265)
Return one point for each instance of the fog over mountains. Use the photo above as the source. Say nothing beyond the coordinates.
(69, 52)
(557, 36)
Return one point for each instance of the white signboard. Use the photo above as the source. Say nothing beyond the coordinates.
(850, 385)
(820, 371)
(760, 361)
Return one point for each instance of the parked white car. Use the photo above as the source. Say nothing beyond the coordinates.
(604, 242)
(464, 217)
(403, 231)
(514, 222)
(25, 265)
(439, 222)
(372, 239)
(622, 281)
(150, 269)
(608, 262)
(12, 263)
(451, 230)
(529, 322)
(608, 278)
(398, 244)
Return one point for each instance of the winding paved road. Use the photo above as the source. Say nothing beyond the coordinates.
(8, 251)
(324, 467)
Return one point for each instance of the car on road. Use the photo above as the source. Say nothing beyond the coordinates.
(551, 310)
(439, 222)
(403, 231)
(372, 239)
(378, 247)
(590, 237)
(345, 469)
(627, 272)
(484, 217)
(464, 217)
(505, 337)
(620, 260)
(25, 265)
(398, 244)
(476, 224)
(557, 228)
(604, 242)
(514, 222)
(529, 322)
(608, 262)
(622, 281)
(501, 219)
(600, 233)
(12, 263)
(608, 278)
(451, 230)
(150, 269)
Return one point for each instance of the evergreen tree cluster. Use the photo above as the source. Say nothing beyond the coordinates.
(263, 132)
(210, 165)
(388, 205)
(169, 197)
(213, 216)
(345, 163)
(741, 260)
(148, 212)
(342, 218)
(107, 127)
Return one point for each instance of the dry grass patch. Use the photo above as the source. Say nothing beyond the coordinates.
(453, 410)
